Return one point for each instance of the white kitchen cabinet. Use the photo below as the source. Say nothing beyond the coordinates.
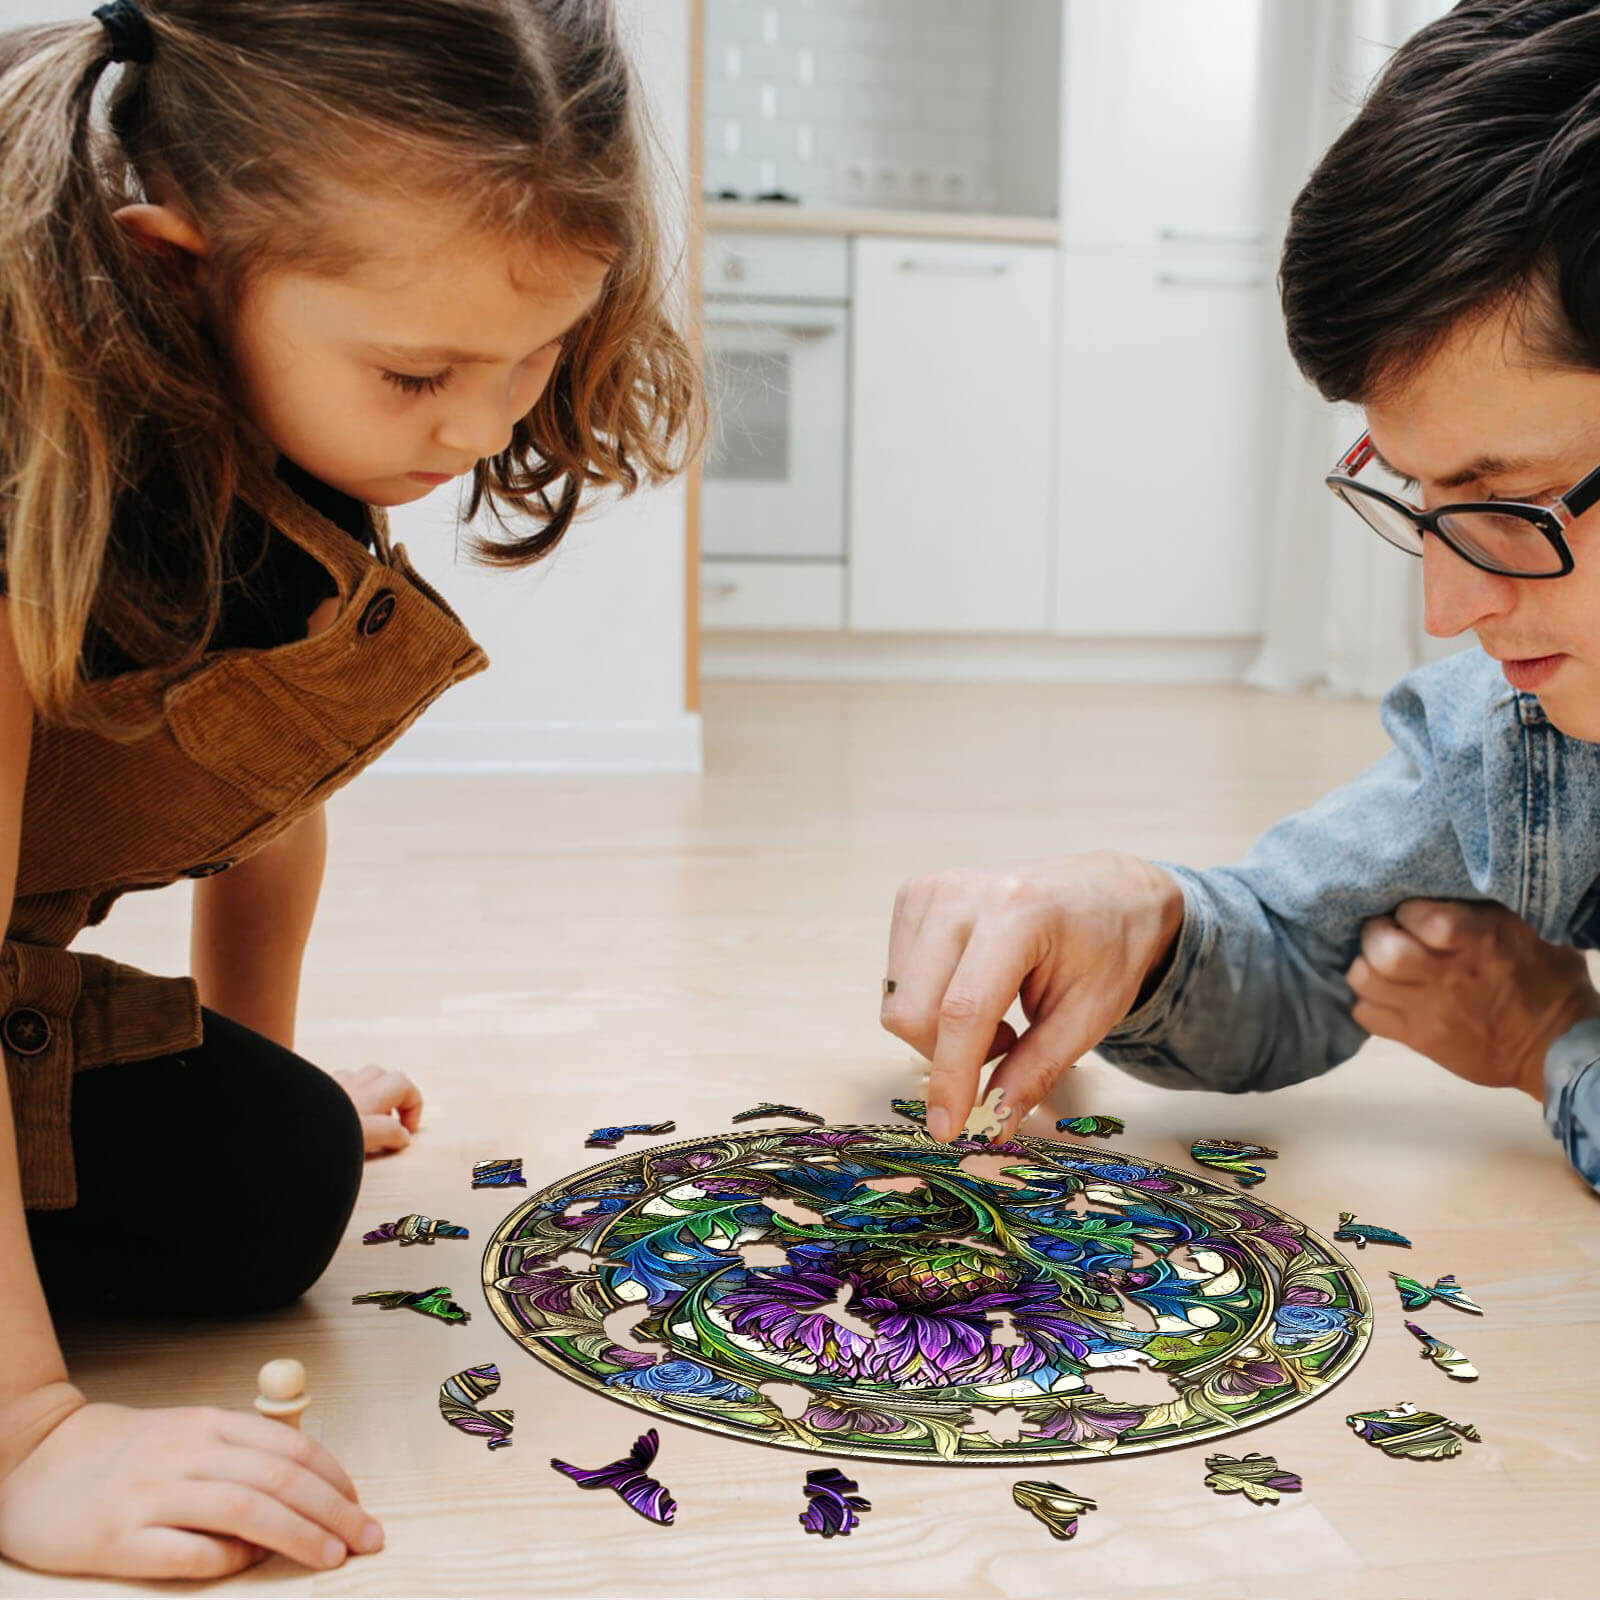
(1159, 124)
(953, 436)
(1160, 509)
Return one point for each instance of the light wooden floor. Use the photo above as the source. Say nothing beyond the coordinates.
(548, 955)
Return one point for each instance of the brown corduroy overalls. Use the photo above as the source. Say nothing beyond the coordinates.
(248, 742)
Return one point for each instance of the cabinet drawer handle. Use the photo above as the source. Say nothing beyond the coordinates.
(1210, 280)
(719, 591)
(1212, 236)
(957, 269)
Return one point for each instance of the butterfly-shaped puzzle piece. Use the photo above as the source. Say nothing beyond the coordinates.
(630, 1478)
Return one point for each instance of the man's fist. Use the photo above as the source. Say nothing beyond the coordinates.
(1470, 985)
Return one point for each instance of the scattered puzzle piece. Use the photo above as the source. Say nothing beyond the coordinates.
(414, 1229)
(834, 1504)
(989, 1117)
(1418, 1435)
(1255, 1476)
(1444, 1356)
(458, 1405)
(435, 1302)
(1057, 1508)
(1361, 1234)
(505, 1174)
(629, 1478)
(768, 1109)
(1091, 1127)
(1229, 1155)
(913, 1110)
(610, 1138)
(1414, 1295)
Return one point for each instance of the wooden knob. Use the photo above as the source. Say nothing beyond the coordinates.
(283, 1391)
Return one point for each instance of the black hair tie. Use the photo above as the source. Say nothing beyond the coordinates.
(129, 31)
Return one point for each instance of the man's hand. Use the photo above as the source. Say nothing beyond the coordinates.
(390, 1105)
(1075, 939)
(1470, 985)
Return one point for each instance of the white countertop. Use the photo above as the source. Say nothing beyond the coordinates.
(738, 216)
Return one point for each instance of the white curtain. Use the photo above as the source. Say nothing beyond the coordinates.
(1342, 609)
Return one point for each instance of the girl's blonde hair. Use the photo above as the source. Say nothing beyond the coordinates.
(256, 112)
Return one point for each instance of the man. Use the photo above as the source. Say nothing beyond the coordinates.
(1442, 269)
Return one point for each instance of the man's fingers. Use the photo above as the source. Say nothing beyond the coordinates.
(924, 970)
(985, 982)
(1375, 989)
(1447, 924)
(1393, 953)
(1047, 1050)
(1384, 1022)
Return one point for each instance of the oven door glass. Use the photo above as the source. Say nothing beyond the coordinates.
(774, 482)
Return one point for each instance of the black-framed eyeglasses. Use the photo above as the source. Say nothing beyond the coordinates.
(1508, 537)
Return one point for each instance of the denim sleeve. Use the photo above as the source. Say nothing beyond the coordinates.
(1255, 996)
(1572, 1096)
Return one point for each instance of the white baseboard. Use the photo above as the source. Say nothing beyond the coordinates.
(983, 658)
(666, 744)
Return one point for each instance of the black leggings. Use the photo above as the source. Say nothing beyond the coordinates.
(213, 1181)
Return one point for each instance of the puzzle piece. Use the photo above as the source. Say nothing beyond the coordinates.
(1414, 1295)
(1361, 1234)
(1418, 1435)
(629, 1479)
(610, 1138)
(458, 1405)
(1255, 1476)
(1057, 1508)
(989, 1117)
(912, 1110)
(414, 1229)
(834, 1503)
(435, 1302)
(1091, 1127)
(768, 1109)
(1229, 1155)
(505, 1174)
(1444, 1356)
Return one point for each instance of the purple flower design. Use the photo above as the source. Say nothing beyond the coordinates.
(831, 1416)
(1247, 1377)
(687, 1162)
(830, 1138)
(549, 1290)
(1081, 1424)
(929, 1333)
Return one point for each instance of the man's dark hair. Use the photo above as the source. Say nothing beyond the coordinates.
(1470, 180)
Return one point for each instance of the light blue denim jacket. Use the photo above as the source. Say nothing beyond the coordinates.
(1480, 799)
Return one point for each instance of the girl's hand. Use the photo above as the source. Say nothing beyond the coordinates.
(390, 1105)
(191, 1492)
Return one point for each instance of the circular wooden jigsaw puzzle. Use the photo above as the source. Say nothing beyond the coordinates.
(871, 1292)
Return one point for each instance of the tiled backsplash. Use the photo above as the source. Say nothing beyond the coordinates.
(928, 104)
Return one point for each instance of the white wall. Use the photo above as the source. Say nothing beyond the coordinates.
(587, 650)
(930, 104)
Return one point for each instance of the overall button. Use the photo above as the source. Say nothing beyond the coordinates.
(379, 610)
(208, 869)
(26, 1031)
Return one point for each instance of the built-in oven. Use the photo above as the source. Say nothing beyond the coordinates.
(773, 535)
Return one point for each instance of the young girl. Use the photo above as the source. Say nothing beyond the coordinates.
(305, 261)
